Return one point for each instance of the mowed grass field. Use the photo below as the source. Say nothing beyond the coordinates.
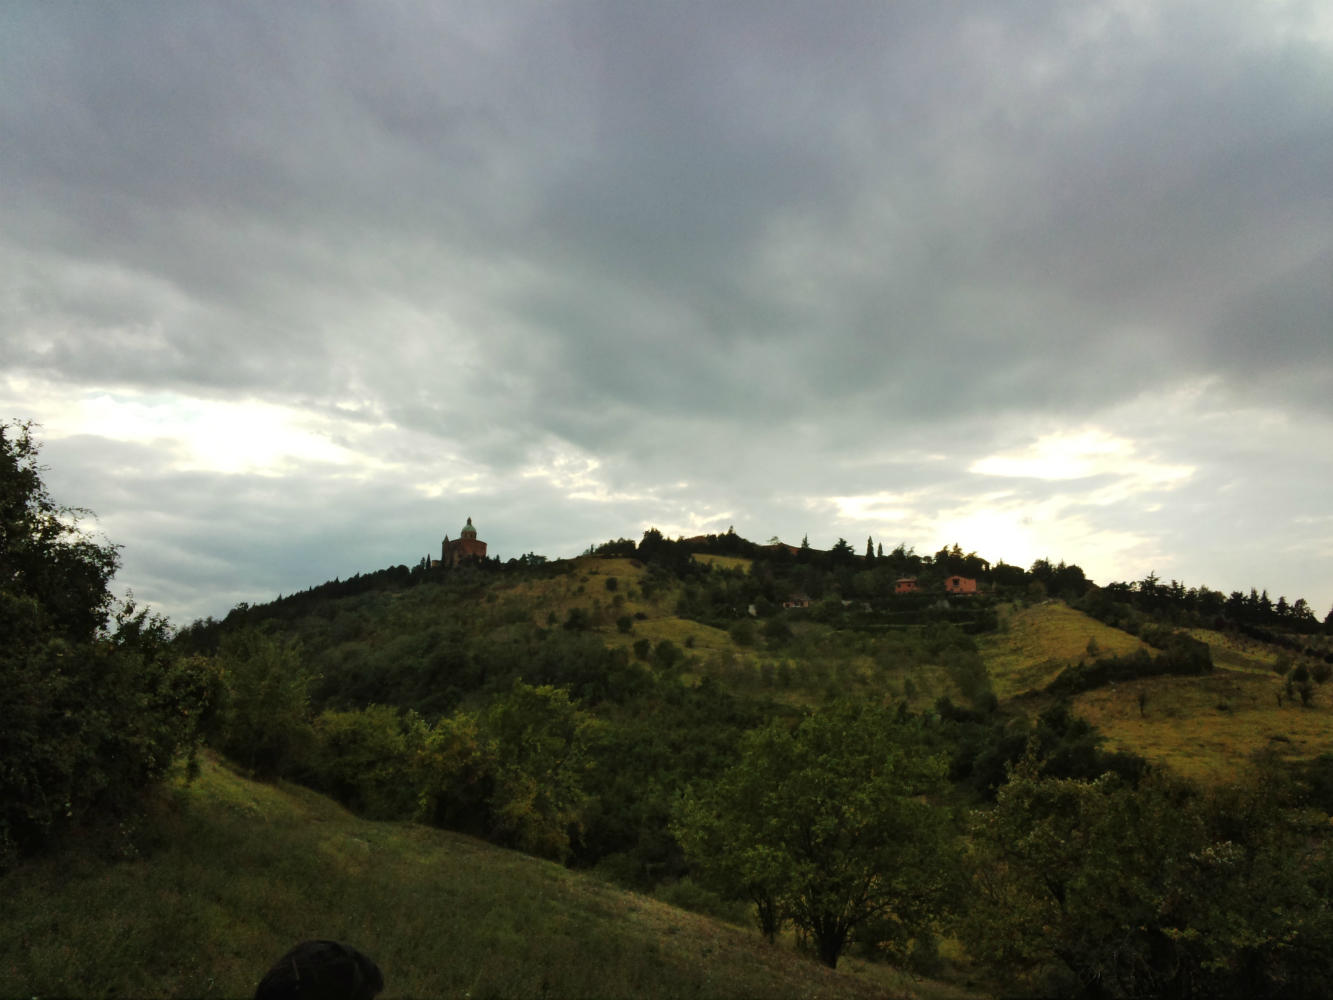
(240, 871)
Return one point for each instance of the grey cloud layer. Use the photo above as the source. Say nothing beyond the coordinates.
(722, 244)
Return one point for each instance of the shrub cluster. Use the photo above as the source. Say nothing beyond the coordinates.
(1181, 655)
(95, 702)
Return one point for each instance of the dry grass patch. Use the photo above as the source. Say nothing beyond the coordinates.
(1038, 642)
(584, 583)
(681, 631)
(1235, 652)
(1209, 727)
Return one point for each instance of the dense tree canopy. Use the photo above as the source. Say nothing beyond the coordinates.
(827, 825)
(1099, 889)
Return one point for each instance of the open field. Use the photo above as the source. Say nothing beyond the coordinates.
(1236, 652)
(1037, 642)
(584, 584)
(1208, 727)
(240, 871)
(691, 636)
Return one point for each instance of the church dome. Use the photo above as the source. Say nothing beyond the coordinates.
(468, 531)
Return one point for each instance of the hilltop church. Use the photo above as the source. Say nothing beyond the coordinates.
(463, 548)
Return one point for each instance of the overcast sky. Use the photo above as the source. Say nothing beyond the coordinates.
(295, 288)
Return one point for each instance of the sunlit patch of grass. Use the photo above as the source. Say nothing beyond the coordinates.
(693, 637)
(1209, 727)
(244, 870)
(1040, 641)
(584, 583)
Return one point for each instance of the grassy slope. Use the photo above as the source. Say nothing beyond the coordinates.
(1209, 727)
(241, 871)
(1040, 641)
(1203, 727)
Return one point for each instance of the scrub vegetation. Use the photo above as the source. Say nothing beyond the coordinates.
(914, 767)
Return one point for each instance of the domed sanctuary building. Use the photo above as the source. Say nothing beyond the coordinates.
(464, 547)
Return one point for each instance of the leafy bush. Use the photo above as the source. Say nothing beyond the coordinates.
(266, 724)
(743, 632)
(366, 759)
(94, 706)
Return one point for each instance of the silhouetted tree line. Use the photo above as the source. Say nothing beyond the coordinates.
(1203, 607)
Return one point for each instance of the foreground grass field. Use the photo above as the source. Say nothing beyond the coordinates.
(235, 872)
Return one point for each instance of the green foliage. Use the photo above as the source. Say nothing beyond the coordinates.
(55, 575)
(1182, 656)
(777, 631)
(455, 775)
(540, 746)
(368, 759)
(1094, 888)
(743, 633)
(985, 748)
(666, 654)
(94, 707)
(266, 724)
(826, 825)
(687, 894)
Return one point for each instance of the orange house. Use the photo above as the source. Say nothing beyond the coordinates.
(905, 585)
(960, 585)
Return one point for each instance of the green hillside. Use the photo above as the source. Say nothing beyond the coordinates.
(1208, 728)
(1035, 643)
(979, 773)
(228, 873)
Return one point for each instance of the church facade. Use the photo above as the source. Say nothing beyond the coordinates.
(463, 548)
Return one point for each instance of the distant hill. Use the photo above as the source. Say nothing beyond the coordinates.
(569, 707)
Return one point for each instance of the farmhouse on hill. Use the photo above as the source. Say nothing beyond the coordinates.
(960, 585)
